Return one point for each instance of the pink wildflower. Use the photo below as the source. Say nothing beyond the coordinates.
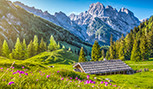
(106, 84)
(90, 81)
(10, 83)
(87, 82)
(19, 75)
(76, 78)
(22, 66)
(101, 82)
(114, 86)
(14, 73)
(12, 67)
(88, 76)
(93, 82)
(26, 73)
(62, 78)
(47, 76)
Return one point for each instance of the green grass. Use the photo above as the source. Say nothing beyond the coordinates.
(37, 80)
(59, 57)
(141, 80)
(40, 62)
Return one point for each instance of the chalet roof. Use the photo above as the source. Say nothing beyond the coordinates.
(107, 66)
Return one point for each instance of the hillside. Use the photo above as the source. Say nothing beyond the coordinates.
(17, 22)
(136, 46)
(58, 56)
(97, 23)
(35, 74)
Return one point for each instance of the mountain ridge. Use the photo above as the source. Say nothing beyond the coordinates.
(120, 22)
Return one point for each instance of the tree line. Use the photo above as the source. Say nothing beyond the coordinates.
(23, 51)
(136, 45)
(97, 54)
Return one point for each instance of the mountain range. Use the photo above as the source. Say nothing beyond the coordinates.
(98, 23)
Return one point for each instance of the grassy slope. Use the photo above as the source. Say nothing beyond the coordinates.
(35, 65)
(59, 56)
(141, 80)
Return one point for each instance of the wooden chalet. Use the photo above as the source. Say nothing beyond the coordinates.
(103, 67)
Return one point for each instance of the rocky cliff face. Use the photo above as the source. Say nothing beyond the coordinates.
(122, 21)
(98, 23)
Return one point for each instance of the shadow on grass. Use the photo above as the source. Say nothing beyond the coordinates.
(151, 59)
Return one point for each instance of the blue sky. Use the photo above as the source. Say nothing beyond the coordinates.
(141, 8)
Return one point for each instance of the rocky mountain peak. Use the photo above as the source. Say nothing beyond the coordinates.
(96, 9)
(60, 14)
(46, 13)
(109, 7)
(125, 10)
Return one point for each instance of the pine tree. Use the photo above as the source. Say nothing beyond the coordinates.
(35, 45)
(111, 40)
(128, 46)
(82, 55)
(95, 54)
(103, 53)
(107, 55)
(121, 50)
(144, 48)
(5, 49)
(117, 46)
(112, 48)
(24, 50)
(150, 43)
(58, 46)
(30, 49)
(18, 50)
(45, 46)
(53, 45)
(42, 46)
(11, 55)
(136, 55)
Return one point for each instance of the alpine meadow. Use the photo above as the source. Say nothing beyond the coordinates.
(104, 47)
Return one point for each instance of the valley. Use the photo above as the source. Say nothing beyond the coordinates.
(39, 50)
